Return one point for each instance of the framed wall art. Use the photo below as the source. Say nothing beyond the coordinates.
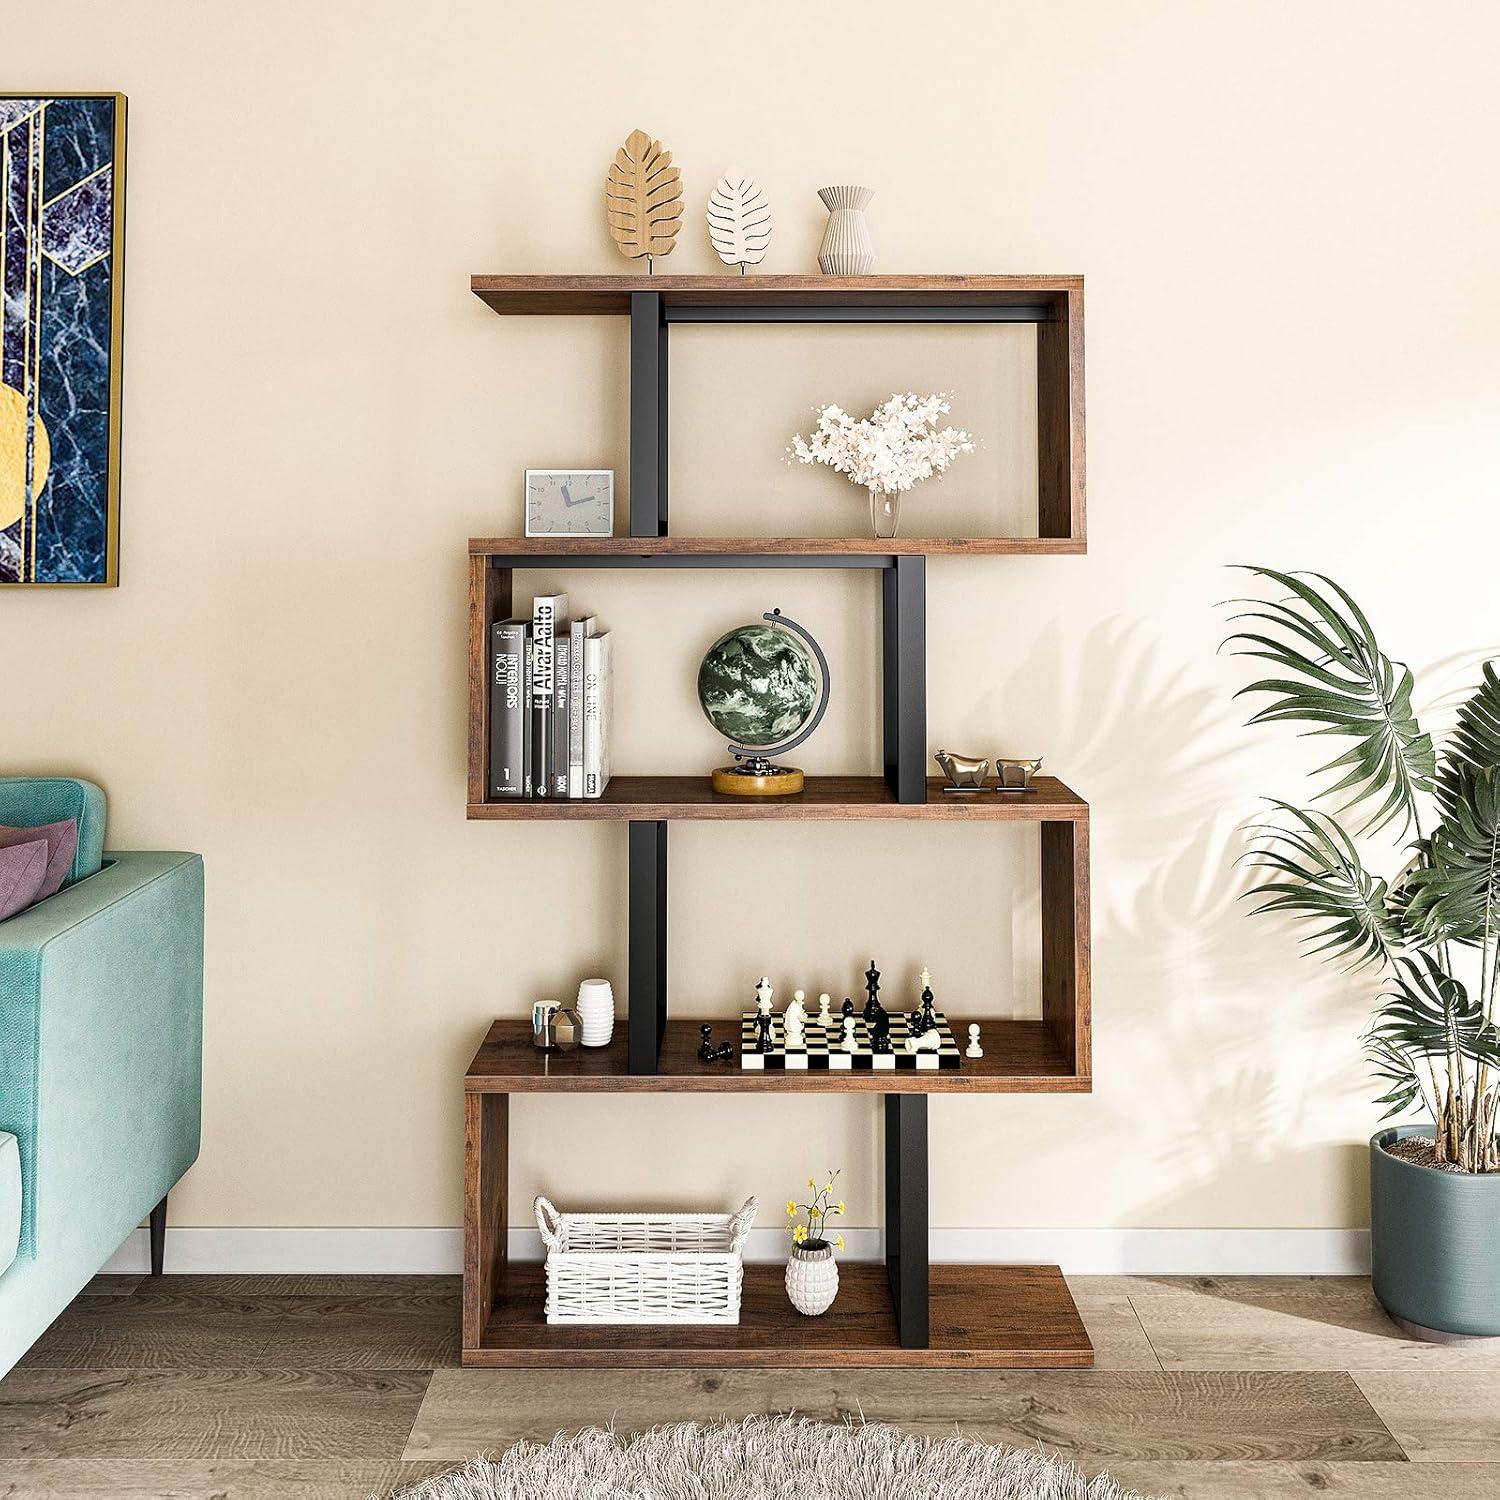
(62, 234)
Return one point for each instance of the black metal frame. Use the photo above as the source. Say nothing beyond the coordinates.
(906, 1215)
(647, 1000)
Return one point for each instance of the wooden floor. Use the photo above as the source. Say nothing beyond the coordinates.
(303, 1386)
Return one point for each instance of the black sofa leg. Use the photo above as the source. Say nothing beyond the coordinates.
(158, 1236)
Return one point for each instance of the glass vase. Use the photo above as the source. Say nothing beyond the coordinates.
(885, 514)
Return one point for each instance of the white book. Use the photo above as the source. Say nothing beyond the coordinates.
(578, 632)
(597, 676)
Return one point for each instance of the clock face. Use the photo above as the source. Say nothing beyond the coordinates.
(570, 502)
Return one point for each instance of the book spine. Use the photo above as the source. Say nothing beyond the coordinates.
(528, 652)
(508, 709)
(596, 704)
(544, 612)
(578, 633)
(561, 701)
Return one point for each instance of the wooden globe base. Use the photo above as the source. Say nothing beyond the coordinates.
(737, 781)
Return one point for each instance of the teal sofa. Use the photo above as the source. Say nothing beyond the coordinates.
(101, 1058)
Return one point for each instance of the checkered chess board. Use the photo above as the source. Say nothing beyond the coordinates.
(822, 1050)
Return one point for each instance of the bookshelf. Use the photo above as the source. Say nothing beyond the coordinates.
(906, 1312)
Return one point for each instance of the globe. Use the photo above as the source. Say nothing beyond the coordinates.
(758, 685)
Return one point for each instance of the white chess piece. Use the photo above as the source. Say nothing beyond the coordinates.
(763, 993)
(974, 1049)
(794, 1020)
(851, 1034)
(928, 1041)
(825, 1015)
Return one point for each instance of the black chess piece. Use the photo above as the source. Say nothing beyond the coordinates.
(872, 984)
(848, 1007)
(721, 1053)
(763, 1034)
(880, 1027)
(928, 1019)
(705, 1046)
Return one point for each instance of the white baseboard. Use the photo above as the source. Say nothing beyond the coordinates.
(1083, 1252)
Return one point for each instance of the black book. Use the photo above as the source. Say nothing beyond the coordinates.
(548, 611)
(508, 708)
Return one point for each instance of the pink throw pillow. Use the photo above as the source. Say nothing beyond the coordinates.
(62, 845)
(23, 868)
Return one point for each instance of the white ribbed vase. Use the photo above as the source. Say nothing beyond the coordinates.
(812, 1279)
(847, 249)
(596, 1012)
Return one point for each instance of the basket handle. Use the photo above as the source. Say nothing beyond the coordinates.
(740, 1226)
(551, 1231)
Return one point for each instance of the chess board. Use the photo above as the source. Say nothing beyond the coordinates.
(822, 1050)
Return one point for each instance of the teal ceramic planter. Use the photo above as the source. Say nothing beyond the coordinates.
(1434, 1244)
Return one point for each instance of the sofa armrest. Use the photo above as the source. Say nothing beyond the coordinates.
(101, 1015)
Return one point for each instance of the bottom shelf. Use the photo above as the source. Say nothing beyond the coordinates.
(1006, 1317)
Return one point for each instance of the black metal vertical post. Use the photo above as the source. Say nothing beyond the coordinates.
(647, 1000)
(906, 1214)
(648, 415)
(904, 676)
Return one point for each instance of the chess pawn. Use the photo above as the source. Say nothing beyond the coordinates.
(794, 1020)
(825, 1014)
(705, 1043)
(763, 1031)
(928, 1041)
(974, 1049)
(851, 1030)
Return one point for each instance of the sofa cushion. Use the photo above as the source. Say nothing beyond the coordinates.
(23, 868)
(62, 846)
(10, 1199)
(31, 801)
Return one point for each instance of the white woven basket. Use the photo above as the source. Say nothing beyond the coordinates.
(644, 1268)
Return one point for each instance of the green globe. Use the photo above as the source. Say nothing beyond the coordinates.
(758, 685)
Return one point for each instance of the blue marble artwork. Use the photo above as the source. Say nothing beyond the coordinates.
(61, 178)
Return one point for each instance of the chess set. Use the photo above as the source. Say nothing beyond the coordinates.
(873, 1041)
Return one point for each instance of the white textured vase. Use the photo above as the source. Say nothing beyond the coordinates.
(812, 1279)
(596, 1012)
(847, 249)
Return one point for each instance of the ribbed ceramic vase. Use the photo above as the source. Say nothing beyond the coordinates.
(847, 249)
(812, 1278)
(596, 1012)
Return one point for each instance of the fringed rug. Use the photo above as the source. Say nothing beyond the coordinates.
(766, 1458)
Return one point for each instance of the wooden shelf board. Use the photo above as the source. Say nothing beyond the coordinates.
(997, 1317)
(825, 798)
(611, 294)
(559, 548)
(1020, 1057)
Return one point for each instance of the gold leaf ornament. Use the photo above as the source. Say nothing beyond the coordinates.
(739, 221)
(643, 198)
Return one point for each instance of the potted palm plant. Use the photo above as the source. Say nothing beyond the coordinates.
(1427, 934)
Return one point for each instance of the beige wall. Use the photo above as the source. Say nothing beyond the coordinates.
(1287, 219)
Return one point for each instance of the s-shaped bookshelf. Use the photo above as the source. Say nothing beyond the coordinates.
(905, 1311)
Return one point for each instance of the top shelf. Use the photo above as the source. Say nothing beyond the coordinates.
(713, 551)
(1037, 298)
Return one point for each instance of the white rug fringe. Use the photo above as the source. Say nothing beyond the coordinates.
(766, 1458)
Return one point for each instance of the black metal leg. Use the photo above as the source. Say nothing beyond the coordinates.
(158, 1236)
(904, 627)
(906, 1214)
(648, 944)
(648, 415)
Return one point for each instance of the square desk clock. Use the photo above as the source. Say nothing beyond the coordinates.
(570, 502)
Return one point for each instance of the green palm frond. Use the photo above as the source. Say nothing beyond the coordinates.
(1399, 1069)
(1474, 744)
(1454, 895)
(1314, 874)
(1331, 674)
(1428, 1013)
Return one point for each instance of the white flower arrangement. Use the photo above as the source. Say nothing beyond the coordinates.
(898, 444)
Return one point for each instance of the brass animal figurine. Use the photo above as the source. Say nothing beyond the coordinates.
(963, 771)
(1016, 774)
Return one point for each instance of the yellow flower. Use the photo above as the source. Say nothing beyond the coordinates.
(791, 1208)
(838, 1241)
(799, 1233)
(827, 1187)
(811, 1183)
(841, 1205)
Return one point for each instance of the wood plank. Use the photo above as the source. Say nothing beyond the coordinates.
(1119, 1340)
(1098, 1417)
(111, 1286)
(354, 1330)
(1439, 1416)
(1286, 1323)
(317, 1284)
(989, 1316)
(1060, 422)
(223, 1479)
(201, 1413)
(1019, 1057)
(486, 1168)
(489, 601)
(611, 294)
(1066, 965)
(1190, 1480)
(837, 798)
(627, 547)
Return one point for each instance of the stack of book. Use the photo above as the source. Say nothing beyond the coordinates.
(549, 704)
